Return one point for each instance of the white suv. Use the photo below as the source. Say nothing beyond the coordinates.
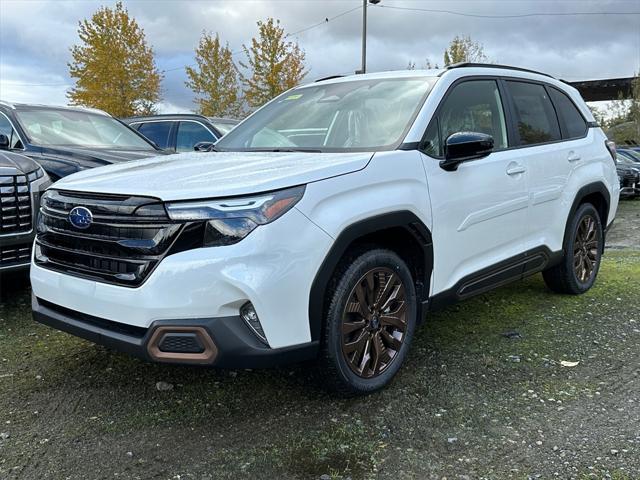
(331, 221)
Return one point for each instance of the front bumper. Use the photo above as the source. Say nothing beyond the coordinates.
(273, 268)
(232, 345)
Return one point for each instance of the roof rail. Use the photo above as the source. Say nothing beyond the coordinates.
(493, 65)
(8, 104)
(330, 77)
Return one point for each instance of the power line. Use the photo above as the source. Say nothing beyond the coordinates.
(325, 21)
(521, 15)
(310, 27)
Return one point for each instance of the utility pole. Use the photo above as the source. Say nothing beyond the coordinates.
(364, 33)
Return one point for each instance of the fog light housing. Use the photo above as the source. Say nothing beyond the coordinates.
(250, 316)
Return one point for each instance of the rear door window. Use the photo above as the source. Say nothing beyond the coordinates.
(573, 121)
(535, 116)
(157, 132)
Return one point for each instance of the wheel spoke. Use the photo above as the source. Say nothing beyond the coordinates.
(390, 341)
(362, 300)
(393, 321)
(350, 327)
(357, 345)
(387, 291)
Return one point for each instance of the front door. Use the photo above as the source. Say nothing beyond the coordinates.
(479, 211)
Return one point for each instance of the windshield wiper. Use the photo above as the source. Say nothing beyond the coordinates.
(287, 149)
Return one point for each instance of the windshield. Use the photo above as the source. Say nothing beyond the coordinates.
(635, 156)
(51, 127)
(626, 160)
(359, 115)
(223, 127)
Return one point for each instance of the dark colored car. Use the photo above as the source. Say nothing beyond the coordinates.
(65, 140)
(629, 153)
(629, 174)
(181, 132)
(21, 183)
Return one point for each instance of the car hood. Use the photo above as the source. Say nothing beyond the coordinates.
(99, 156)
(16, 164)
(217, 174)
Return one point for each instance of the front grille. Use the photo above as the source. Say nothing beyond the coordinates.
(180, 343)
(126, 240)
(15, 204)
(15, 255)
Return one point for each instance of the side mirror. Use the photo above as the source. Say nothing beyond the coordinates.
(203, 147)
(4, 142)
(464, 146)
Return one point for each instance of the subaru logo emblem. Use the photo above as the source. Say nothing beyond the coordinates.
(81, 217)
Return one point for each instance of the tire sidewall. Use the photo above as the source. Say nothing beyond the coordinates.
(362, 264)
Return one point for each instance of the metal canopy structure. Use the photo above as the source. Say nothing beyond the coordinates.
(607, 89)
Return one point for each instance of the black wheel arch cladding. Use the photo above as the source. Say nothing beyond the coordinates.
(377, 230)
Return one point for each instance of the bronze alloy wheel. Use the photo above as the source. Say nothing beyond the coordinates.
(585, 249)
(374, 322)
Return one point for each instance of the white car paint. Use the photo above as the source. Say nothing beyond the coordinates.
(478, 215)
(210, 175)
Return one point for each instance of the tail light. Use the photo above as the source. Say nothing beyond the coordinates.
(611, 146)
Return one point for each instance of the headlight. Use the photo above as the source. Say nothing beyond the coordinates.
(230, 220)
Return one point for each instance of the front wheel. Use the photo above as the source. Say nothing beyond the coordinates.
(369, 323)
(582, 254)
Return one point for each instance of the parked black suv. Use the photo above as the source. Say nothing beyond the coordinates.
(65, 140)
(181, 132)
(21, 182)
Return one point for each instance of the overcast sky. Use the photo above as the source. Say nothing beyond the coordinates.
(35, 36)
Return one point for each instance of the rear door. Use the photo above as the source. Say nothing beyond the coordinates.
(479, 211)
(548, 159)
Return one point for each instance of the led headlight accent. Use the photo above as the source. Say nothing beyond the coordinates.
(260, 209)
(230, 220)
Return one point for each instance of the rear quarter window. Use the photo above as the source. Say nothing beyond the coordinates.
(573, 121)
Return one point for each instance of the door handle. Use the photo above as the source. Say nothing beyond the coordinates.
(573, 157)
(516, 170)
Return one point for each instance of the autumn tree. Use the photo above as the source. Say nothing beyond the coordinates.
(621, 118)
(215, 80)
(463, 49)
(113, 66)
(275, 64)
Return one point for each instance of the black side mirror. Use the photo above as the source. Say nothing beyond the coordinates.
(4, 142)
(464, 146)
(203, 147)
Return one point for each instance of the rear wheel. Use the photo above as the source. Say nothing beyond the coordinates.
(370, 322)
(582, 254)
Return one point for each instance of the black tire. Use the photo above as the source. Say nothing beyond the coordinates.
(563, 278)
(359, 268)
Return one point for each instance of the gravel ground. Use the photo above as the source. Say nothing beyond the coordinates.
(485, 394)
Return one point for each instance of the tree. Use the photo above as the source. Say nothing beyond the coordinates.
(621, 120)
(113, 66)
(463, 49)
(275, 64)
(215, 80)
